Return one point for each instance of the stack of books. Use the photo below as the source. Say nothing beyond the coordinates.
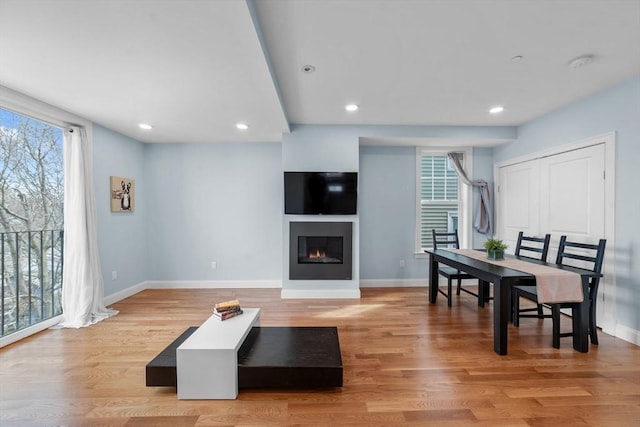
(227, 309)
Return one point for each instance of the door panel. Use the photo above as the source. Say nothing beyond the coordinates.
(574, 198)
(518, 202)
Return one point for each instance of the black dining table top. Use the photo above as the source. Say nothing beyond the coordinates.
(473, 265)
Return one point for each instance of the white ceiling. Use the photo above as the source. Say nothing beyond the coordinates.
(193, 69)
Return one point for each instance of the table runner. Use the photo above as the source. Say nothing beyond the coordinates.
(553, 285)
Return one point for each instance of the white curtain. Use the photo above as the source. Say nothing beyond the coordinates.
(82, 283)
(482, 221)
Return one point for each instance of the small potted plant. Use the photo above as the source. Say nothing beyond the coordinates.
(495, 248)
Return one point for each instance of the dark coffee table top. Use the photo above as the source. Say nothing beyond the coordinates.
(291, 347)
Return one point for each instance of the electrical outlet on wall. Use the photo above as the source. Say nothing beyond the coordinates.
(401, 263)
(114, 275)
(214, 265)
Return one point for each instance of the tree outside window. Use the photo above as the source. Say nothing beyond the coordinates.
(31, 220)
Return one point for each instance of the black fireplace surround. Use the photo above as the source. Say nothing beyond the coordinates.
(320, 251)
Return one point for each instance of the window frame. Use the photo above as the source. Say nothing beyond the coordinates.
(464, 196)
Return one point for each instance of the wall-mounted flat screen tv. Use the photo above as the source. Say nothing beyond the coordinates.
(320, 193)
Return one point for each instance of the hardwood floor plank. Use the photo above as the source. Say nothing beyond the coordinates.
(438, 415)
(547, 391)
(405, 363)
(188, 421)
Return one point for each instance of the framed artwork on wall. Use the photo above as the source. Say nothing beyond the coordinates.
(122, 194)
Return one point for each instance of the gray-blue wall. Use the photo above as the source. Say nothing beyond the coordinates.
(387, 204)
(195, 203)
(214, 202)
(122, 237)
(198, 203)
(616, 109)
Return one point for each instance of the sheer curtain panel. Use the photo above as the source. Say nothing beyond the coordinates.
(82, 282)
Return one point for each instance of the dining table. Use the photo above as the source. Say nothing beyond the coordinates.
(503, 278)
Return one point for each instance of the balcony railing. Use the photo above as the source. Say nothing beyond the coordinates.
(31, 266)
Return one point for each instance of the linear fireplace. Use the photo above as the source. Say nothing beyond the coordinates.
(320, 251)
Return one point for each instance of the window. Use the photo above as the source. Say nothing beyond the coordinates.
(441, 199)
(452, 221)
(31, 221)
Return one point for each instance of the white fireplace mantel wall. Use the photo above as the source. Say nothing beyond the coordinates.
(311, 149)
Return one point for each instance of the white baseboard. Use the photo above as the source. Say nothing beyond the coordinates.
(213, 284)
(316, 294)
(628, 334)
(393, 283)
(125, 293)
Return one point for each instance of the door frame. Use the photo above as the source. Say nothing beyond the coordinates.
(608, 304)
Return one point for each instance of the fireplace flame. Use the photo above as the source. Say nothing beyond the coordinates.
(317, 254)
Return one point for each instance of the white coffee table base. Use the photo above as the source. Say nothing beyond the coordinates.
(207, 362)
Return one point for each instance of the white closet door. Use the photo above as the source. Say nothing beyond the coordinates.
(518, 198)
(562, 194)
(572, 201)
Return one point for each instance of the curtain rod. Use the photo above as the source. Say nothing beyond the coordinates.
(64, 126)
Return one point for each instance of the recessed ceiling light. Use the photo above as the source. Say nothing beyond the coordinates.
(242, 126)
(145, 126)
(581, 61)
(496, 110)
(351, 107)
(308, 69)
(516, 58)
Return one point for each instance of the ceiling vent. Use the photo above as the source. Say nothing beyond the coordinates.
(581, 61)
(308, 69)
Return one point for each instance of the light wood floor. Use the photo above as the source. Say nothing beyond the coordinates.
(405, 363)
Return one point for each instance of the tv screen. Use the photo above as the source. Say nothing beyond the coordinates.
(320, 193)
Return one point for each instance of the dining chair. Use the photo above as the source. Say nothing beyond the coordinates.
(577, 255)
(442, 239)
(536, 248)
